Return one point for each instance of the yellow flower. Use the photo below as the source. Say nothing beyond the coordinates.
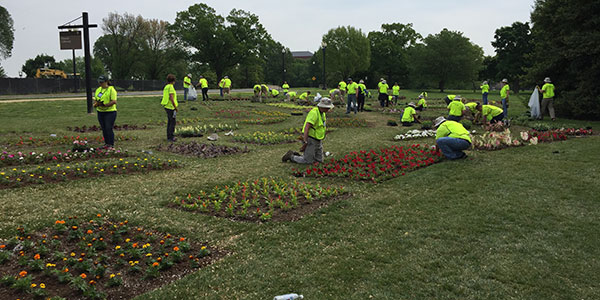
(149, 254)
(203, 247)
(43, 286)
(72, 254)
(112, 275)
(117, 247)
(127, 240)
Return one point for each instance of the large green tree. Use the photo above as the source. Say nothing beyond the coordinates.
(566, 35)
(513, 47)
(123, 45)
(7, 35)
(347, 53)
(40, 61)
(66, 65)
(389, 52)
(444, 59)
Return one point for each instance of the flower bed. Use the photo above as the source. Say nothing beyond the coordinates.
(97, 128)
(375, 165)
(263, 199)
(298, 130)
(266, 138)
(95, 259)
(501, 140)
(415, 134)
(271, 113)
(201, 150)
(575, 131)
(263, 121)
(290, 106)
(16, 178)
(200, 130)
(20, 158)
(346, 122)
(548, 136)
(229, 113)
(64, 140)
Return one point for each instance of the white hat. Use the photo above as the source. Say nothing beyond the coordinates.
(438, 121)
(325, 103)
(226, 77)
(361, 81)
(505, 80)
(485, 82)
(189, 75)
(383, 81)
(412, 104)
(420, 96)
(547, 80)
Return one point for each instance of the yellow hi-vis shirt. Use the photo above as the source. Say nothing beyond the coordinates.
(548, 91)
(504, 91)
(396, 90)
(491, 111)
(274, 93)
(285, 87)
(452, 129)
(352, 87)
(303, 96)
(317, 120)
(383, 88)
(105, 96)
(187, 82)
(342, 85)
(456, 108)
(203, 83)
(422, 102)
(472, 106)
(485, 88)
(227, 83)
(407, 116)
(166, 103)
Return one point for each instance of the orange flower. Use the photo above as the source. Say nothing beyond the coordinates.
(22, 273)
(181, 239)
(83, 276)
(92, 282)
(159, 259)
(98, 215)
(162, 242)
(74, 227)
(59, 222)
(36, 257)
(43, 236)
(2, 246)
(66, 270)
(175, 248)
(89, 231)
(134, 245)
(155, 264)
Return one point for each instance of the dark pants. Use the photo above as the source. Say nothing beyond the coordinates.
(170, 123)
(447, 100)
(497, 118)
(221, 92)
(484, 98)
(419, 108)
(407, 124)
(107, 122)
(454, 118)
(204, 94)
(361, 102)
(383, 99)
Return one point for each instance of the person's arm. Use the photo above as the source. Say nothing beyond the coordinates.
(305, 136)
(416, 117)
(172, 99)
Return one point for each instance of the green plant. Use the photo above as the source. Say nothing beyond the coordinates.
(392, 123)
(467, 124)
(426, 125)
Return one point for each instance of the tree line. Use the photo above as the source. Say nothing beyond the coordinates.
(558, 42)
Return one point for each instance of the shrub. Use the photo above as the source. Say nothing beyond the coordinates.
(426, 125)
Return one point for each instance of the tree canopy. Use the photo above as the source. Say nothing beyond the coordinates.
(40, 61)
(7, 35)
(513, 46)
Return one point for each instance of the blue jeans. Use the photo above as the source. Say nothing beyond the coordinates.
(351, 99)
(484, 98)
(453, 148)
(505, 107)
(185, 92)
(107, 123)
(221, 91)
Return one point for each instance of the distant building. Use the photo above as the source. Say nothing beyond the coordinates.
(302, 54)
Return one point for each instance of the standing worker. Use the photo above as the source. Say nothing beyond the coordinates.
(352, 96)
(169, 102)
(227, 86)
(504, 93)
(395, 92)
(451, 138)
(547, 98)
(409, 116)
(383, 93)
(313, 133)
(203, 83)
(285, 87)
(456, 109)
(485, 90)
(187, 81)
(362, 94)
(221, 83)
(342, 87)
(106, 106)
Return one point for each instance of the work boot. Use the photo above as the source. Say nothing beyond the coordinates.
(287, 156)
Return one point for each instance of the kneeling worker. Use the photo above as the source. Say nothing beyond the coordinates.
(274, 93)
(491, 114)
(456, 109)
(410, 115)
(451, 138)
(313, 133)
(422, 104)
(290, 96)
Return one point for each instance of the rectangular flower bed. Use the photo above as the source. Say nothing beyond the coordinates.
(201, 150)
(20, 158)
(19, 177)
(85, 128)
(266, 138)
(64, 140)
(260, 200)
(95, 258)
(263, 121)
(200, 130)
(375, 165)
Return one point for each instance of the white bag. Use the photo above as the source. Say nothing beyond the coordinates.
(192, 94)
(534, 104)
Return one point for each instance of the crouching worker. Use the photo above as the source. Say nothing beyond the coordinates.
(451, 138)
(313, 134)
(409, 116)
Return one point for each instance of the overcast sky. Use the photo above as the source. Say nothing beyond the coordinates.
(298, 25)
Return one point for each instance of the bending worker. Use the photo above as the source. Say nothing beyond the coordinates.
(451, 138)
(456, 109)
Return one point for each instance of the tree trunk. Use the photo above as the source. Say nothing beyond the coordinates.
(441, 86)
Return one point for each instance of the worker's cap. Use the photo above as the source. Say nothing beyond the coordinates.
(438, 121)
(201, 76)
(412, 104)
(485, 82)
(457, 97)
(547, 80)
(102, 79)
(325, 103)
(189, 75)
(226, 77)
(383, 81)
(361, 81)
(420, 96)
(505, 80)
(380, 79)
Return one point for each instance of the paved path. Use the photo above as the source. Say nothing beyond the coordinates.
(81, 96)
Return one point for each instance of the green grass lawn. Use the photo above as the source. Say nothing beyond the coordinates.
(519, 223)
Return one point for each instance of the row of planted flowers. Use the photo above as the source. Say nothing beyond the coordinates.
(376, 164)
(23, 158)
(94, 258)
(261, 199)
(266, 138)
(18, 177)
(504, 139)
(63, 140)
